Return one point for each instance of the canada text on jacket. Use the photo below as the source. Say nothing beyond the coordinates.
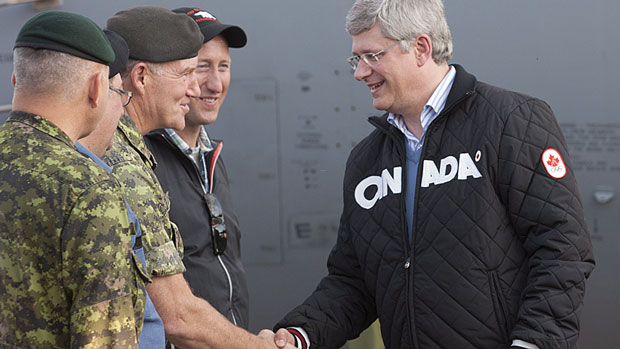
(449, 168)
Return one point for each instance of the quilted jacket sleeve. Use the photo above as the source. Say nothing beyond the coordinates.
(546, 212)
(341, 307)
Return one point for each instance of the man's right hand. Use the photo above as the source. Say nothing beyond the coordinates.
(282, 338)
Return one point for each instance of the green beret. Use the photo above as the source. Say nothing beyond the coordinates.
(156, 34)
(66, 32)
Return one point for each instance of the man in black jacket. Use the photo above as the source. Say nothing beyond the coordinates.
(462, 226)
(190, 169)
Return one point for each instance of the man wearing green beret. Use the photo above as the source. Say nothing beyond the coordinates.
(67, 276)
(161, 74)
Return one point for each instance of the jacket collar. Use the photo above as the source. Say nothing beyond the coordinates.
(204, 144)
(214, 143)
(464, 84)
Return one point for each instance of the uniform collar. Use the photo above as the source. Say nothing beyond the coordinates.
(40, 123)
(128, 128)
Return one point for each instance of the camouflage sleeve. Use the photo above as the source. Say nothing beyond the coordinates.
(98, 271)
(162, 247)
(161, 240)
(167, 257)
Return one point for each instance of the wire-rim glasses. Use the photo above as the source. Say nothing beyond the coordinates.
(125, 95)
(372, 59)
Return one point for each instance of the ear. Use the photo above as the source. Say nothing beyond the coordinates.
(97, 86)
(423, 49)
(137, 78)
(13, 79)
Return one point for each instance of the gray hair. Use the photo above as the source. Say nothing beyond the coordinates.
(404, 20)
(156, 68)
(44, 71)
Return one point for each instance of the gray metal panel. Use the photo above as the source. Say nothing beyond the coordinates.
(250, 133)
(294, 112)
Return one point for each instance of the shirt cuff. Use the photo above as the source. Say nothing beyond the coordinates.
(522, 344)
(301, 337)
(163, 260)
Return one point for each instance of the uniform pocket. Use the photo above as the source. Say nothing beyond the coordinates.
(140, 268)
(175, 237)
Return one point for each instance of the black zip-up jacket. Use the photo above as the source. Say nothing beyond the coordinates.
(500, 249)
(180, 177)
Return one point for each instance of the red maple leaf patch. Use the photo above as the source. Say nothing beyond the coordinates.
(553, 162)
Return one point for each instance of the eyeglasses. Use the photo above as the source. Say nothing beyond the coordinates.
(125, 95)
(218, 227)
(372, 59)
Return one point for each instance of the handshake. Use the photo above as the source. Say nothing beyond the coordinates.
(281, 339)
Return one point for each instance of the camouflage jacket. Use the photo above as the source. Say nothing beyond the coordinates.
(67, 275)
(133, 165)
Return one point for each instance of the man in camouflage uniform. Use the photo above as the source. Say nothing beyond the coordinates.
(94, 146)
(67, 277)
(160, 73)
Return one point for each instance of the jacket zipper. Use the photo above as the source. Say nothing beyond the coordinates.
(409, 264)
(408, 246)
(210, 171)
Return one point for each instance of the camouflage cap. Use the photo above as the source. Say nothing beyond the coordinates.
(66, 32)
(156, 34)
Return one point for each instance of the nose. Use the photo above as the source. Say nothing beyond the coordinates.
(214, 82)
(362, 71)
(193, 89)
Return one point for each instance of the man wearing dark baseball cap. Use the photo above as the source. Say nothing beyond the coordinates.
(211, 27)
(161, 74)
(214, 268)
(67, 276)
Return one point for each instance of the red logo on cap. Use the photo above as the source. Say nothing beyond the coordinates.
(201, 15)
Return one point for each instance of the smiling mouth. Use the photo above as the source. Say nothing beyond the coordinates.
(208, 100)
(373, 87)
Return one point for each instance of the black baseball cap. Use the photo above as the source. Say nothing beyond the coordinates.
(211, 27)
